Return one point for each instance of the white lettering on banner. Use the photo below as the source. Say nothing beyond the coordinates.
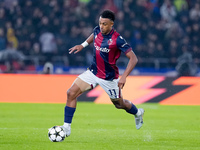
(101, 49)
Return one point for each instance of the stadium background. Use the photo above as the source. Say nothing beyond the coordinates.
(43, 31)
(35, 32)
(35, 37)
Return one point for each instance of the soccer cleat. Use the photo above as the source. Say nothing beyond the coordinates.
(139, 119)
(67, 130)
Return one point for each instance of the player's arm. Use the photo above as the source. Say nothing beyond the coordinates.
(131, 64)
(78, 48)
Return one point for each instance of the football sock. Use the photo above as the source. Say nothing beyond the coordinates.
(69, 113)
(133, 110)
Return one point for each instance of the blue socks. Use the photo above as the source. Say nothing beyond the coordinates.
(69, 113)
(133, 110)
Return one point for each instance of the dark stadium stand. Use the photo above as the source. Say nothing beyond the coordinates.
(160, 31)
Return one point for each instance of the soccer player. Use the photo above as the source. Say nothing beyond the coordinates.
(108, 45)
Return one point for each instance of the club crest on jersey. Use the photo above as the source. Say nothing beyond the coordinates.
(110, 41)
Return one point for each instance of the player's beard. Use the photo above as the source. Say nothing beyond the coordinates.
(104, 32)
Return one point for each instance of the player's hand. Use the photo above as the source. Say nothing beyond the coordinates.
(75, 49)
(121, 82)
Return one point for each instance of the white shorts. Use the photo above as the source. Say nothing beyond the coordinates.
(110, 87)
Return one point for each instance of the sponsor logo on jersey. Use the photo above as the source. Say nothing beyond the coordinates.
(102, 49)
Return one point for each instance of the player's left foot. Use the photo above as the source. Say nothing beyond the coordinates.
(67, 130)
(139, 118)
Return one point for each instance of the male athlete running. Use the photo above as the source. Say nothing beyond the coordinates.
(108, 45)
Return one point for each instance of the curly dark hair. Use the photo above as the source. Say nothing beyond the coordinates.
(108, 14)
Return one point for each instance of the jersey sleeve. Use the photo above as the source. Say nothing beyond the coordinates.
(123, 45)
(96, 30)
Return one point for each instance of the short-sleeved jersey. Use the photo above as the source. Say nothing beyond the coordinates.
(107, 49)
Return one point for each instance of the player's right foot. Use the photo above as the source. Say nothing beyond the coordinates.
(139, 118)
(67, 130)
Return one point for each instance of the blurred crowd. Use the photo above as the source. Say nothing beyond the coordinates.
(44, 30)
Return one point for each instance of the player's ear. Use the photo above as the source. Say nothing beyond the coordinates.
(112, 23)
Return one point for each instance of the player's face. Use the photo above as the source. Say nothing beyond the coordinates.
(105, 25)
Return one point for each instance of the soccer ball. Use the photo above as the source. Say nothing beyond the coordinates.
(56, 134)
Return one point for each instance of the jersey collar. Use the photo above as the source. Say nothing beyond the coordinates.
(110, 33)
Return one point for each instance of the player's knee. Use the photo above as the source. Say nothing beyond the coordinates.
(118, 105)
(70, 94)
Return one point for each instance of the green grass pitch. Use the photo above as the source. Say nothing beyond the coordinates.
(99, 127)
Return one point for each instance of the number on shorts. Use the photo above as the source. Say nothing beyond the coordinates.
(113, 92)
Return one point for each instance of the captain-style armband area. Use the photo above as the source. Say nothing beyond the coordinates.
(84, 44)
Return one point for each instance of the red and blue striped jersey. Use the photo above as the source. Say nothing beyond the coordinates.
(107, 49)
